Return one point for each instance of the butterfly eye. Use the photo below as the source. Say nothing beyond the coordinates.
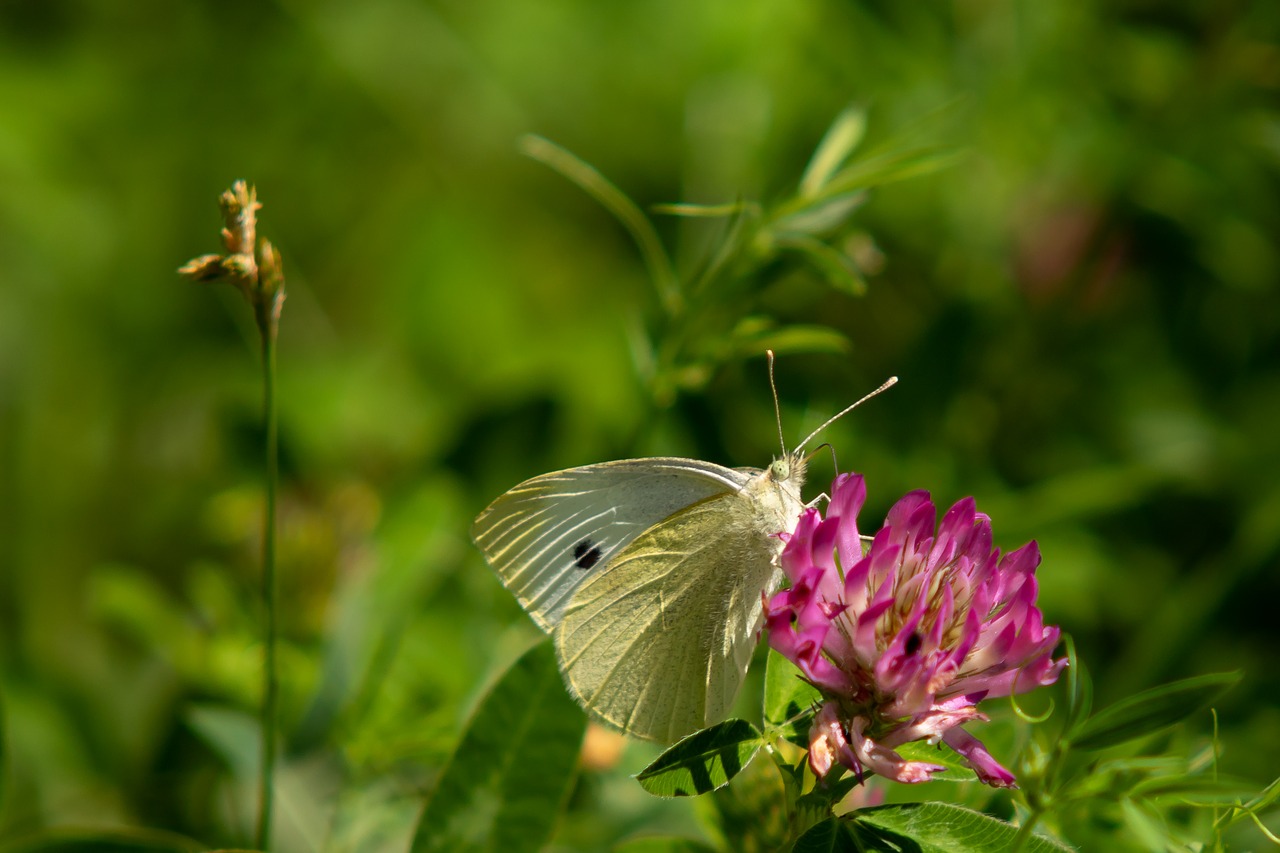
(585, 554)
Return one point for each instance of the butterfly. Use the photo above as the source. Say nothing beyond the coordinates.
(648, 574)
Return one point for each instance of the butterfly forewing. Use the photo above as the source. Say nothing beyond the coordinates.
(550, 534)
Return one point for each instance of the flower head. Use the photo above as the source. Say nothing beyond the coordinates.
(904, 636)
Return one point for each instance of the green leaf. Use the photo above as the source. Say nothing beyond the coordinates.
(820, 217)
(1195, 790)
(663, 844)
(508, 779)
(1144, 826)
(231, 733)
(794, 339)
(616, 202)
(1079, 686)
(703, 761)
(893, 166)
(839, 142)
(115, 840)
(1151, 710)
(830, 836)
(835, 266)
(4, 739)
(705, 211)
(944, 828)
(957, 770)
(788, 699)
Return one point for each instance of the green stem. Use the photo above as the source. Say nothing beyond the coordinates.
(267, 328)
(1025, 831)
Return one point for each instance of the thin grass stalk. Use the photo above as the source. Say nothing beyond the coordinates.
(270, 685)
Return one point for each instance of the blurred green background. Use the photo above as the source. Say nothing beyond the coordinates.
(1083, 311)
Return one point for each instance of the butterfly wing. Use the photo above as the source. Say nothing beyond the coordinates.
(550, 534)
(658, 645)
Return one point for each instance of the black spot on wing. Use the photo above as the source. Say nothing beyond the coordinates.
(585, 554)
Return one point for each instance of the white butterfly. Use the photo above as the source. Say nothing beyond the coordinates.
(648, 575)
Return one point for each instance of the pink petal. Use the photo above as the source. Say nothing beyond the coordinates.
(989, 771)
(827, 743)
(884, 761)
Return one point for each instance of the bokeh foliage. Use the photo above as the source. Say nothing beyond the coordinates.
(1083, 311)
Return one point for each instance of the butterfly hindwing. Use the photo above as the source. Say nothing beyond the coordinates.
(658, 645)
(549, 535)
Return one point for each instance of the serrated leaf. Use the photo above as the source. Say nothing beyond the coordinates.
(788, 699)
(944, 828)
(703, 761)
(663, 844)
(839, 142)
(1151, 710)
(830, 836)
(508, 779)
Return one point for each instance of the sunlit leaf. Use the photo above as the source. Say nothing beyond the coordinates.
(819, 217)
(507, 781)
(705, 211)
(1151, 710)
(892, 166)
(944, 828)
(839, 142)
(703, 761)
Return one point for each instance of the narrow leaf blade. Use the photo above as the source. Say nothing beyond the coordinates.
(839, 142)
(835, 266)
(1152, 710)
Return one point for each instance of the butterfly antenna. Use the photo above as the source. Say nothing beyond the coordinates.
(777, 410)
(889, 383)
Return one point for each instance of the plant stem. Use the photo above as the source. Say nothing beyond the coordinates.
(267, 328)
(1025, 831)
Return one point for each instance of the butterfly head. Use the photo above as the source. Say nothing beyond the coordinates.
(788, 468)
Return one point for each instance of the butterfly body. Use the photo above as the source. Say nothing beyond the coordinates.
(648, 575)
